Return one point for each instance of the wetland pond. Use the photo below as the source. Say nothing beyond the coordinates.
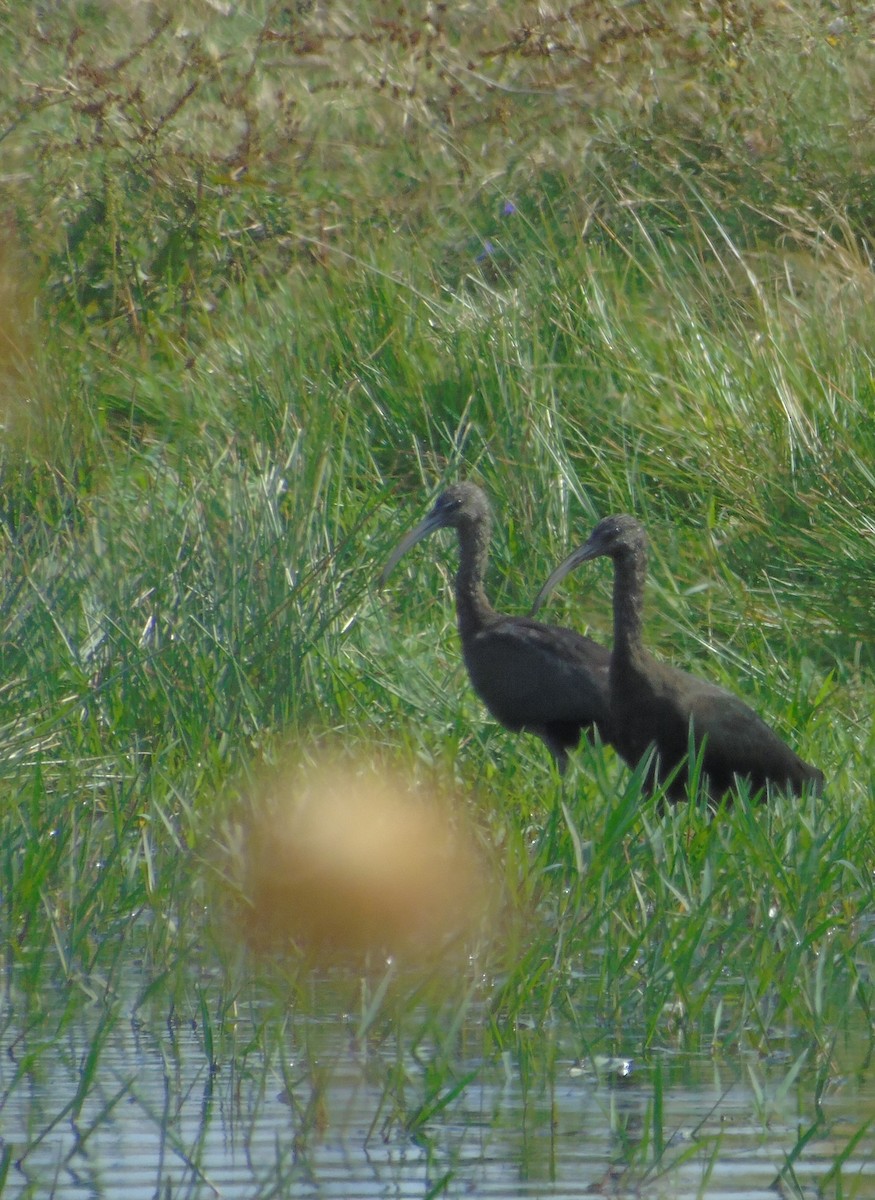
(335, 1090)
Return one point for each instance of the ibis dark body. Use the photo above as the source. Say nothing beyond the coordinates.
(532, 677)
(655, 706)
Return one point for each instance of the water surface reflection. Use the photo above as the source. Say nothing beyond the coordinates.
(115, 1105)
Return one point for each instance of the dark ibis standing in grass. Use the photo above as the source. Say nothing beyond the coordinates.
(654, 705)
(533, 678)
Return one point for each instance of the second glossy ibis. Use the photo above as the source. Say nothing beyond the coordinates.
(655, 706)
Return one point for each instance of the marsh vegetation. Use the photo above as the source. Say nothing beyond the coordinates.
(272, 275)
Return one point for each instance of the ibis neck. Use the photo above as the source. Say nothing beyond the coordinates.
(472, 606)
(630, 570)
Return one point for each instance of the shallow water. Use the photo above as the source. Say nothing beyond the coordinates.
(324, 1119)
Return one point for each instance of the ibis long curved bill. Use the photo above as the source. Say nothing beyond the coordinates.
(426, 526)
(581, 554)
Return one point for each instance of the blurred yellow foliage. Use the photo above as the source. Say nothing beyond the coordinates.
(349, 856)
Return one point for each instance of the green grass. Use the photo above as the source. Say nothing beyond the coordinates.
(261, 334)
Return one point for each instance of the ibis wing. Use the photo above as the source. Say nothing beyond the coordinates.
(529, 674)
(740, 742)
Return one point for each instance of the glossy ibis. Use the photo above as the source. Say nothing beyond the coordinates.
(534, 678)
(653, 705)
